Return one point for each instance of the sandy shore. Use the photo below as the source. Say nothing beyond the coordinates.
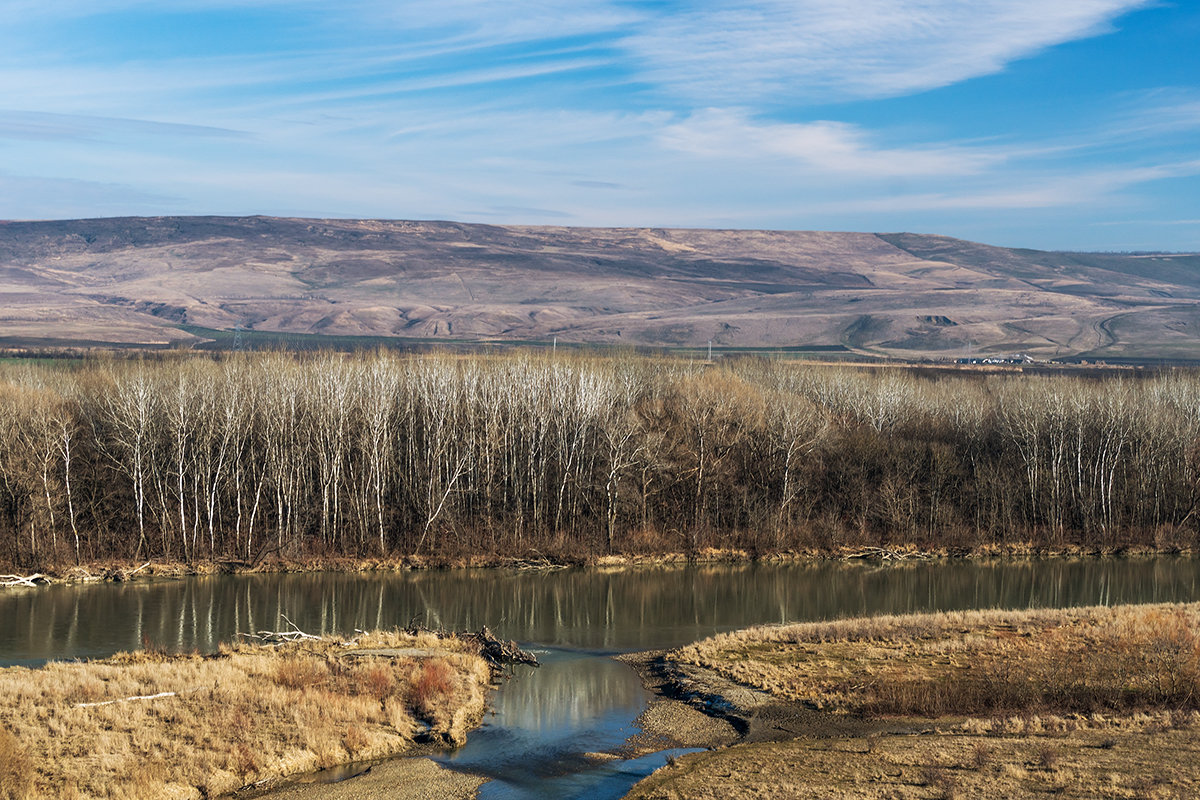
(409, 778)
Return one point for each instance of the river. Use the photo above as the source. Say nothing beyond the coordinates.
(581, 700)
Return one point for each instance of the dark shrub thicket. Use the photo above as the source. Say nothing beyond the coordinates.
(329, 454)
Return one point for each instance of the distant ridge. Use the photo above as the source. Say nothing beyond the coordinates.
(162, 280)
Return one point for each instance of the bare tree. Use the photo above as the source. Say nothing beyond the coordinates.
(128, 417)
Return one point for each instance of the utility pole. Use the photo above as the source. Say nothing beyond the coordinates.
(710, 349)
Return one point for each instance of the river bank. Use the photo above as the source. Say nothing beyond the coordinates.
(1094, 702)
(117, 571)
(152, 725)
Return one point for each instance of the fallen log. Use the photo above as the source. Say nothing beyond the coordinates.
(491, 648)
(883, 554)
(499, 652)
(81, 575)
(392, 652)
(23, 580)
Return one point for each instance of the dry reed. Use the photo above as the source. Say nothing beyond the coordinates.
(212, 724)
(1073, 660)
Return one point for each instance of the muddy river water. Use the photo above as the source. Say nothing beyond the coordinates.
(581, 701)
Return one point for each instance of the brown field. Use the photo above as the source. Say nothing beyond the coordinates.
(158, 281)
(246, 715)
(1152, 758)
(1093, 702)
(1072, 660)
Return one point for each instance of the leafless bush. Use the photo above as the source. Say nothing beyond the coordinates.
(943, 782)
(433, 685)
(1046, 756)
(981, 755)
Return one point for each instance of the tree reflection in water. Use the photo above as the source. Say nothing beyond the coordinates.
(580, 701)
(597, 609)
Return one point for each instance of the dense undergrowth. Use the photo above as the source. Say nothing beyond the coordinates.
(248, 456)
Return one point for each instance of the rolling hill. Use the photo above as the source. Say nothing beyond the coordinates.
(165, 280)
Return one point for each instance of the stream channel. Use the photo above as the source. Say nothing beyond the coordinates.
(580, 701)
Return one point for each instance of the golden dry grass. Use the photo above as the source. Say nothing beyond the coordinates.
(1079, 660)
(1080, 703)
(16, 773)
(1141, 761)
(246, 714)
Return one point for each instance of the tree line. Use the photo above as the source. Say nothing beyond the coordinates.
(240, 456)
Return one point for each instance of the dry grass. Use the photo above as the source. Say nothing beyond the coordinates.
(1074, 660)
(1081, 703)
(16, 773)
(1147, 764)
(246, 714)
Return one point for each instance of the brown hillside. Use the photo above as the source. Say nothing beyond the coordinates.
(154, 280)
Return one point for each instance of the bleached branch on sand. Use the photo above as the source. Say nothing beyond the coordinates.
(883, 554)
(137, 697)
(127, 699)
(279, 637)
(23, 580)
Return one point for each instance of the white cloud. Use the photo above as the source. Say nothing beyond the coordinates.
(757, 53)
(822, 146)
(835, 49)
(471, 108)
(40, 127)
(1157, 113)
(1022, 191)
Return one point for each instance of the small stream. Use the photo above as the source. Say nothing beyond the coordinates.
(581, 701)
(546, 723)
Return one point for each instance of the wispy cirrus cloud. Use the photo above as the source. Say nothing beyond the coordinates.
(40, 126)
(781, 50)
(710, 52)
(1020, 191)
(699, 112)
(821, 146)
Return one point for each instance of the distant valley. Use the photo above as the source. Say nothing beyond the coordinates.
(182, 280)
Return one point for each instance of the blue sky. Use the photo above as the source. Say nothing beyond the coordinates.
(1071, 124)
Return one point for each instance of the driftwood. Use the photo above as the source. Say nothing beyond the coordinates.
(392, 652)
(883, 554)
(127, 699)
(137, 697)
(23, 580)
(280, 637)
(534, 561)
(81, 575)
(497, 652)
